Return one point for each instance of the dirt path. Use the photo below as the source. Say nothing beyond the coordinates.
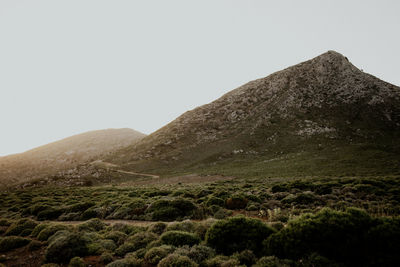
(114, 167)
(138, 173)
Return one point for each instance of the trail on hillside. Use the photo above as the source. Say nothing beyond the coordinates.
(114, 167)
(138, 173)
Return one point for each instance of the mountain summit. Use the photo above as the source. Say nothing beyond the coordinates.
(323, 112)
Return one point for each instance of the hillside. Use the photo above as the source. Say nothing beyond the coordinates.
(322, 116)
(64, 154)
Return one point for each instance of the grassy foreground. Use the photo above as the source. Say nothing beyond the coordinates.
(347, 221)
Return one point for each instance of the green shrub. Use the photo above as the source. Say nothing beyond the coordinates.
(153, 244)
(171, 210)
(106, 257)
(38, 207)
(279, 188)
(339, 236)
(127, 229)
(179, 238)
(38, 229)
(107, 244)
(246, 257)
(222, 261)
(154, 255)
(11, 242)
(22, 227)
(130, 210)
(79, 207)
(236, 234)
(76, 262)
(177, 260)
(158, 228)
(185, 226)
(221, 214)
(215, 201)
(137, 241)
(117, 236)
(50, 230)
(92, 225)
(89, 214)
(35, 245)
(200, 253)
(65, 247)
(49, 213)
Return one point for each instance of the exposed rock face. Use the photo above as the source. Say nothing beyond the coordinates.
(65, 154)
(326, 97)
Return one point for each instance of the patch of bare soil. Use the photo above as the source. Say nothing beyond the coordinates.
(23, 257)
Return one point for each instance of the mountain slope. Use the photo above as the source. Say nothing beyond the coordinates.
(64, 154)
(322, 114)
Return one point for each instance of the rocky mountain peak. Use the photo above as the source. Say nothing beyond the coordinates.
(325, 97)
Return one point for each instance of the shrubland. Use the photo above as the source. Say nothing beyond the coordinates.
(344, 221)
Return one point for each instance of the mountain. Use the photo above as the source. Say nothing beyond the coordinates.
(64, 154)
(322, 116)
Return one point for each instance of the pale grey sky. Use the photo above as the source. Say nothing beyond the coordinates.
(67, 67)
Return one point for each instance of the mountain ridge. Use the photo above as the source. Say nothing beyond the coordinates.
(64, 154)
(326, 96)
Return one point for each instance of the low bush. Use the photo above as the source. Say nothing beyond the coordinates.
(22, 227)
(236, 234)
(92, 225)
(130, 210)
(222, 261)
(49, 231)
(65, 247)
(179, 238)
(35, 245)
(185, 226)
(127, 229)
(155, 255)
(89, 214)
(200, 253)
(76, 262)
(246, 257)
(215, 201)
(158, 228)
(79, 207)
(176, 260)
(11, 242)
(137, 241)
(171, 210)
(340, 236)
(117, 236)
(38, 229)
(49, 213)
(106, 257)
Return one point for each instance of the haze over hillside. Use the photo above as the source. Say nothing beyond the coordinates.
(320, 116)
(64, 154)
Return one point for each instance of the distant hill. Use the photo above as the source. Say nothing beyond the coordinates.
(322, 116)
(64, 154)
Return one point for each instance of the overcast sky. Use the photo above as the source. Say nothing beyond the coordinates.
(68, 67)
